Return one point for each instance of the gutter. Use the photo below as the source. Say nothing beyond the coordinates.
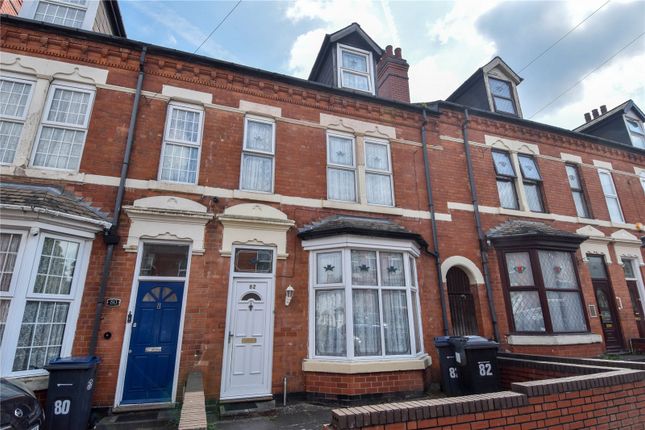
(57, 214)
(483, 248)
(111, 236)
(435, 238)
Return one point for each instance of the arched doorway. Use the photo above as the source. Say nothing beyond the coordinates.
(462, 303)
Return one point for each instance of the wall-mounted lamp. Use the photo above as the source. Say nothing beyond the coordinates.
(288, 295)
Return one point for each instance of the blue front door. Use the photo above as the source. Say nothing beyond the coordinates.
(153, 343)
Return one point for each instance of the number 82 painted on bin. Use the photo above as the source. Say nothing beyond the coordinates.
(61, 407)
(485, 369)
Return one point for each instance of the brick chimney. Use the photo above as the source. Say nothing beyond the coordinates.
(392, 76)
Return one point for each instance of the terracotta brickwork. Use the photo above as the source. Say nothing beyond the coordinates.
(300, 166)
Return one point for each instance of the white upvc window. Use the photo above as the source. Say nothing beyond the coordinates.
(611, 196)
(258, 155)
(70, 13)
(181, 144)
(378, 173)
(636, 133)
(365, 304)
(341, 167)
(40, 293)
(63, 128)
(15, 97)
(355, 69)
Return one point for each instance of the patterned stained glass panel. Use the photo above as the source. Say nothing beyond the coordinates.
(529, 168)
(364, 268)
(341, 151)
(392, 269)
(499, 87)
(566, 311)
(519, 269)
(354, 62)
(527, 311)
(503, 165)
(507, 196)
(533, 197)
(557, 269)
(572, 176)
(329, 268)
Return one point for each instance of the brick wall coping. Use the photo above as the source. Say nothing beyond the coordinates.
(575, 360)
(389, 413)
(586, 377)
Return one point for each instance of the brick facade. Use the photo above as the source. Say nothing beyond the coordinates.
(300, 166)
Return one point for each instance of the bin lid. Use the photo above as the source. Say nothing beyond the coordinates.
(473, 342)
(73, 363)
(442, 341)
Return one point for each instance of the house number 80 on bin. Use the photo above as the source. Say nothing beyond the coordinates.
(61, 407)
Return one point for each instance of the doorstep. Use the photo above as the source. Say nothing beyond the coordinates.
(164, 419)
(137, 407)
(246, 408)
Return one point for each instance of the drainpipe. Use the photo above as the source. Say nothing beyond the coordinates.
(483, 248)
(111, 236)
(435, 239)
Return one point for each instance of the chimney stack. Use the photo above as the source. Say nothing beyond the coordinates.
(603, 109)
(392, 76)
(595, 113)
(587, 117)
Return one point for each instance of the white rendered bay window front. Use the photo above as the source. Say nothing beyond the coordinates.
(40, 290)
(365, 304)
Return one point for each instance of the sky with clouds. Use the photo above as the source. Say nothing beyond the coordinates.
(443, 41)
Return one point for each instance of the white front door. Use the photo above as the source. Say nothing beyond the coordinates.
(247, 365)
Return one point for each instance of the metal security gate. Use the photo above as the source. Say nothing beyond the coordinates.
(462, 303)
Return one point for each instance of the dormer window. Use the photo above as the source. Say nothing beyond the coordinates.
(636, 133)
(502, 93)
(355, 69)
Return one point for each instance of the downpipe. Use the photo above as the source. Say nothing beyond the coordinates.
(111, 236)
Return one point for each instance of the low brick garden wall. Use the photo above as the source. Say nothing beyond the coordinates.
(543, 393)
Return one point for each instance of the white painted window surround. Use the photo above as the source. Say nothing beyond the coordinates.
(182, 143)
(611, 196)
(355, 69)
(41, 303)
(71, 13)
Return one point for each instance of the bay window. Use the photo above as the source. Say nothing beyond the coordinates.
(181, 144)
(365, 303)
(40, 292)
(15, 95)
(63, 128)
(341, 167)
(258, 155)
(543, 291)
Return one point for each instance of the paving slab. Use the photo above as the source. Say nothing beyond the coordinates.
(297, 416)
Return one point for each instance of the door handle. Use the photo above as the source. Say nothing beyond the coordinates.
(230, 336)
(129, 317)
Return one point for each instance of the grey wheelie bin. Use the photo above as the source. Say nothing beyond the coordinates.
(69, 396)
(476, 357)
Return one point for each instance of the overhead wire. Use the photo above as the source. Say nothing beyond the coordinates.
(587, 75)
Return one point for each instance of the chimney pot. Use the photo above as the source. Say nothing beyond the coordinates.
(603, 109)
(587, 117)
(595, 113)
(397, 52)
(388, 49)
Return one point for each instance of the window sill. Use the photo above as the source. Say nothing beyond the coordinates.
(557, 339)
(34, 383)
(353, 367)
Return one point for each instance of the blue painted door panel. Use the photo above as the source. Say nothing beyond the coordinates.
(153, 343)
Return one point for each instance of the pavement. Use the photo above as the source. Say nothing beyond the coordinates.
(296, 416)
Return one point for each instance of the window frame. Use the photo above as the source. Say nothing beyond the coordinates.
(640, 133)
(44, 122)
(18, 119)
(331, 165)
(511, 99)
(370, 67)
(166, 140)
(91, 8)
(506, 178)
(581, 191)
(373, 171)
(539, 184)
(257, 152)
(346, 286)
(614, 196)
(26, 273)
(539, 286)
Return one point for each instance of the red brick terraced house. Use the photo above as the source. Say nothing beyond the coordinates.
(173, 213)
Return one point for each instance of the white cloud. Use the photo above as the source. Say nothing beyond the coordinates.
(334, 15)
(610, 85)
